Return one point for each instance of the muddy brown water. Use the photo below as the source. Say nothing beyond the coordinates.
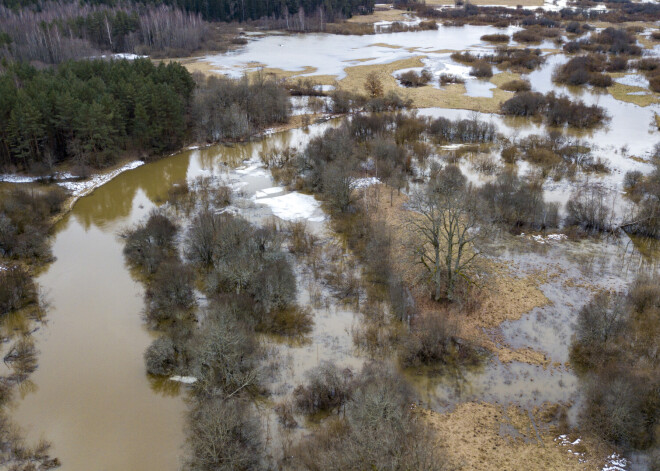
(90, 396)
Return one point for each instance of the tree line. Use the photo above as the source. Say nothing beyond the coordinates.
(58, 31)
(88, 111)
(236, 10)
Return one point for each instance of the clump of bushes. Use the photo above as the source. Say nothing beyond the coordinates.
(496, 38)
(464, 57)
(516, 59)
(225, 108)
(589, 209)
(378, 431)
(445, 79)
(160, 357)
(516, 86)
(17, 289)
(433, 340)
(557, 110)
(481, 69)
(518, 203)
(415, 79)
(24, 222)
(615, 350)
(608, 41)
(582, 69)
(148, 244)
(328, 387)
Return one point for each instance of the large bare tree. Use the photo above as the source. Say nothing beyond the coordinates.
(445, 228)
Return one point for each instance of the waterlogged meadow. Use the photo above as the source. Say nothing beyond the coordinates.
(282, 291)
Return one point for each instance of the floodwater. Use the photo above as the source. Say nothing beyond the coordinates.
(91, 397)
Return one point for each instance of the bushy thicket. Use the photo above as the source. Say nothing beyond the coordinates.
(610, 40)
(234, 109)
(645, 193)
(556, 110)
(587, 69)
(415, 79)
(24, 222)
(149, 244)
(88, 111)
(616, 350)
(17, 289)
(590, 209)
(378, 431)
(518, 203)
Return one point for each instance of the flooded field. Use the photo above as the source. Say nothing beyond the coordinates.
(91, 396)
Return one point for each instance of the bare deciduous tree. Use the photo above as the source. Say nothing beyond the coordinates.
(444, 222)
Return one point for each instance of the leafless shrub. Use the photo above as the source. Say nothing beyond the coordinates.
(450, 78)
(481, 70)
(170, 295)
(160, 357)
(17, 289)
(516, 86)
(328, 387)
(414, 79)
(224, 435)
(589, 209)
(147, 245)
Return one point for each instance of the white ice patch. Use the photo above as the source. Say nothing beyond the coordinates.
(184, 379)
(252, 170)
(543, 240)
(633, 80)
(615, 463)
(81, 188)
(268, 191)
(360, 183)
(294, 206)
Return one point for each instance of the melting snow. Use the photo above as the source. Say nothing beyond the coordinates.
(360, 183)
(294, 206)
(184, 379)
(268, 191)
(543, 240)
(615, 463)
(634, 80)
(81, 188)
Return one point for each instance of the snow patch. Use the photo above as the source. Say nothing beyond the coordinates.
(184, 379)
(544, 240)
(81, 188)
(615, 463)
(360, 183)
(294, 206)
(633, 80)
(268, 191)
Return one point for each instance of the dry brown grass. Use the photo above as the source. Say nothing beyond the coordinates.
(451, 96)
(503, 296)
(391, 14)
(623, 92)
(482, 436)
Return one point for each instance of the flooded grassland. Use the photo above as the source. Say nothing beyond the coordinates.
(90, 395)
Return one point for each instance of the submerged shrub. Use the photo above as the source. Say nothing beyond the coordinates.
(588, 209)
(160, 357)
(481, 70)
(414, 79)
(328, 387)
(149, 244)
(516, 86)
(17, 289)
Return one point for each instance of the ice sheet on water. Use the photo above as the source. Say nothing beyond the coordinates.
(294, 206)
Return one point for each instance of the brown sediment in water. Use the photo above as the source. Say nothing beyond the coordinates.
(483, 436)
